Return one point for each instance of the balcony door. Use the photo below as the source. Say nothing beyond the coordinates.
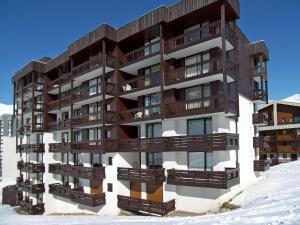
(152, 104)
(197, 64)
(94, 86)
(202, 161)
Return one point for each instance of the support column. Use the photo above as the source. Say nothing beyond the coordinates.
(32, 102)
(103, 109)
(162, 72)
(223, 33)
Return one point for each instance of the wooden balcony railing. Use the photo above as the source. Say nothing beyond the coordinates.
(260, 119)
(258, 71)
(205, 33)
(149, 176)
(209, 179)
(28, 186)
(29, 128)
(31, 167)
(31, 148)
(261, 142)
(212, 104)
(260, 95)
(60, 125)
(76, 195)
(140, 53)
(261, 165)
(53, 105)
(209, 142)
(60, 147)
(92, 173)
(93, 63)
(140, 114)
(142, 205)
(11, 195)
(27, 206)
(63, 79)
(87, 146)
(140, 83)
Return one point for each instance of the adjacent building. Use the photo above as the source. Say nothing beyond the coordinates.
(153, 117)
(280, 136)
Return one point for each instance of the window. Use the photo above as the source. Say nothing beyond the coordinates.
(110, 161)
(39, 138)
(153, 130)
(196, 97)
(94, 134)
(151, 48)
(110, 187)
(199, 126)
(200, 67)
(152, 100)
(77, 136)
(95, 86)
(65, 137)
(154, 160)
(93, 109)
(65, 157)
(284, 155)
(154, 78)
(65, 116)
(200, 161)
(96, 159)
(296, 119)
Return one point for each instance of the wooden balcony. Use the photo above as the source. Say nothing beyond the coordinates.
(28, 186)
(197, 36)
(259, 71)
(261, 165)
(140, 83)
(260, 95)
(60, 147)
(87, 147)
(287, 149)
(140, 114)
(94, 119)
(62, 102)
(37, 107)
(149, 176)
(31, 167)
(31, 148)
(30, 128)
(260, 119)
(94, 91)
(208, 142)
(60, 125)
(141, 53)
(63, 79)
(261, 142)
(38, 87)
(11, 195)
(212, 104)
(93, 63)
(208, 179)
(77, 196)
(200, 70)
(143, 205)
(27, 206)
(92, 173)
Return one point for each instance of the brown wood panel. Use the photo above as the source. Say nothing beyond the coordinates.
(135, 190)
(97, 190)
(155, 193)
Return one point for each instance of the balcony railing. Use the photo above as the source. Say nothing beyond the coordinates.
(258, 71)
(28, 186)
(140, 53)
(93, 63)
(260, 95)
(27, 206)
(87, 147)
(261, 142)
(77, 196)
(149, 176)
(141, 113)
(38, 87)
(31, 148)
(260, 119)
(209, 179)
(31, 167)
(205, 33)
(142, 205)
(60, 125)
(93, 173)
(140, 83)
(212, 104)
(29, 128)
(209, 142)
(261, 165)
(11, 195)
(198, 70)
(60, 147)
(63, 79)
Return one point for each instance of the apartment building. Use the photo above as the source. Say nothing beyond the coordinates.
(279, 138)
(152, 117)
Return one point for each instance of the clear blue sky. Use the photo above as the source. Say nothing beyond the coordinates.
(35, 28)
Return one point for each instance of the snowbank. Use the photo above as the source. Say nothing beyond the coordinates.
(273, 200)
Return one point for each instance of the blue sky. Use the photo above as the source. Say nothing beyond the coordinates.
(35, 28)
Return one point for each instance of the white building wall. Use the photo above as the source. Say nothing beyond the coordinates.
(9, 159)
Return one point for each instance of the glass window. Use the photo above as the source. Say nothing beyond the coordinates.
(202, 161)
(154, 160)
(199, 126)
(194, 93)
(77, 136)
(153, 130)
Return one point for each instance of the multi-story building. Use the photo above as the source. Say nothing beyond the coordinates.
(151, 117)
(280, 137)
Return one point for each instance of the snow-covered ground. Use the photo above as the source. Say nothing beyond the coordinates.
(273, 200)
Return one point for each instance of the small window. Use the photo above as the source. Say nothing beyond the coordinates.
(271, 156)
(284, 155)
(110, 161)
(110, 187)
